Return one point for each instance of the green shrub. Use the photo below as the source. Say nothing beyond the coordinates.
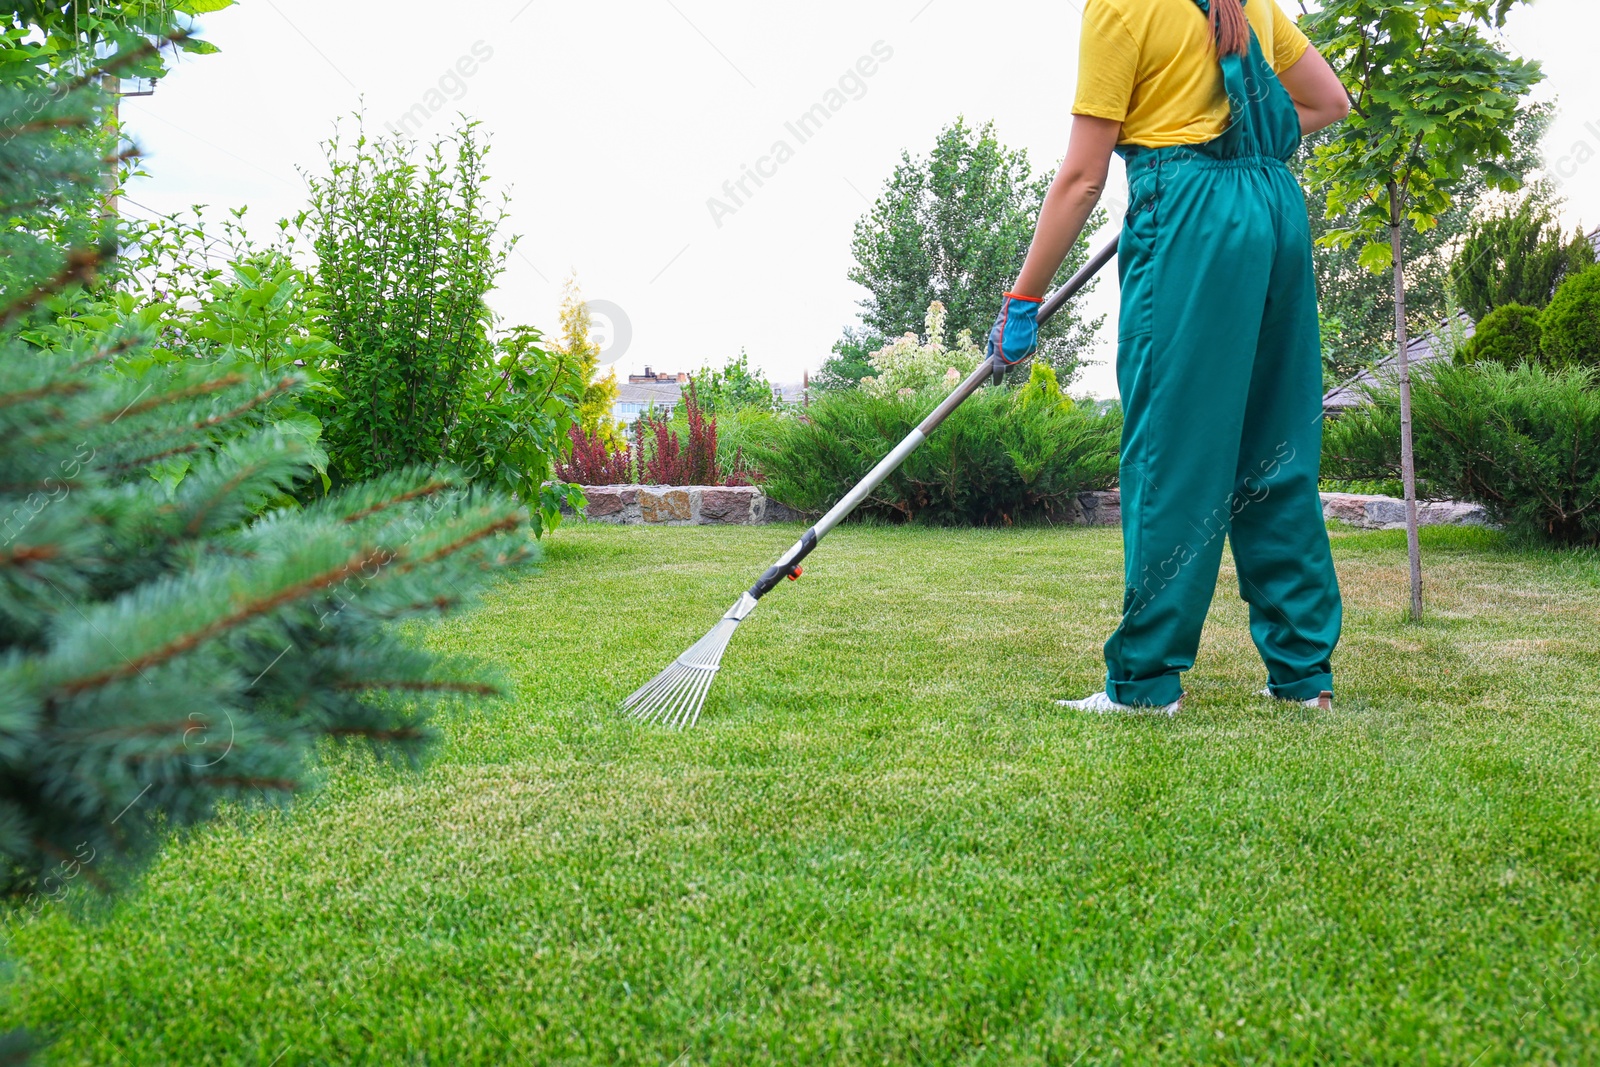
(165, 655)
(1571, 324)
(1004, 456)
(1523, 441)
(1517, 257)
(1508, 335)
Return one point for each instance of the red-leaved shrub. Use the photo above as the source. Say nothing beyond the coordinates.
(691, 459)
(591, 463)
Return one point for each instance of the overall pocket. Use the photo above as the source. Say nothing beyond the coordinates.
(1136, 250)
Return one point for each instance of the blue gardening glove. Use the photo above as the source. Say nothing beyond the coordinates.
(1015, 336)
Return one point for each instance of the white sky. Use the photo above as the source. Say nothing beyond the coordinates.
(614, 121)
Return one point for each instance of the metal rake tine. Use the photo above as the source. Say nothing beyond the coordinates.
(662, 698)
(643, 702)
(650, 688)
(701, 703)
(695, 698)
(672, 718)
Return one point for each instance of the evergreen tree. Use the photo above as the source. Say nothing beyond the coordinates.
(1516, 257)
(162, 655)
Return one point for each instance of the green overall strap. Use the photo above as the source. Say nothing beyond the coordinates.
(1263, 120)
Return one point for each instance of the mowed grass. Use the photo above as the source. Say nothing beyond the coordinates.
(884, 844)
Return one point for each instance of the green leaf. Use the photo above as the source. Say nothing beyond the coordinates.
(1377, 256)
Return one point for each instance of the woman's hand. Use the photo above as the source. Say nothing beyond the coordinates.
(1318, 94)
(1015, 336)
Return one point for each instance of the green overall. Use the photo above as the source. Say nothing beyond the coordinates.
(1219, 361)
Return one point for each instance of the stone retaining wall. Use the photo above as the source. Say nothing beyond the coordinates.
(673, 505)
(695, 505)
(1387, 513)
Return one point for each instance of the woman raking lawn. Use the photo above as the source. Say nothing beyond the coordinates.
(1219, 355)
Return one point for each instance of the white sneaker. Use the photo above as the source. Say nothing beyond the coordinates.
(1323, 702)
(1101, 704)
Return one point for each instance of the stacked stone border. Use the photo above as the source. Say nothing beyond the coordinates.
(698, 505)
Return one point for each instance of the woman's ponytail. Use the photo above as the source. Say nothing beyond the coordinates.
(1230, 28)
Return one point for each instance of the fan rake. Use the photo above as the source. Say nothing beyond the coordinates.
(675, 697)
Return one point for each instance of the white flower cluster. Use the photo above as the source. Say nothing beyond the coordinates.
(910, 365)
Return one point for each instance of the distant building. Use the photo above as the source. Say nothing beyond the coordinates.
(650, 377)
(647, 392)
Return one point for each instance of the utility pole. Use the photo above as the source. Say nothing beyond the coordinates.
(115, 87)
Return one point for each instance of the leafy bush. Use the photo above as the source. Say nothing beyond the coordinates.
(1523, 441)
(406, 256)
(1571, 324)
(1508, 335)
(1003, 456)
(735, 387)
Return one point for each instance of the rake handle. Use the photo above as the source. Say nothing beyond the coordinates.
(788, 565)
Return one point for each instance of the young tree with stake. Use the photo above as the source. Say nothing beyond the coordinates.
(1432, 95)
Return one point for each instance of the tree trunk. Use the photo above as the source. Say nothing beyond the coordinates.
(1408, 456)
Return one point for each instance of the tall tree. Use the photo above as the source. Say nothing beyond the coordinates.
(1357, 301)
(578, 344)
(1432, 96)
(954, 227)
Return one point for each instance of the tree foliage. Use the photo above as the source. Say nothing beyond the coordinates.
(1433, 98)
(1357, 302)
(45, 39)
(953, 228)
(164, 654)
(578, 345)
(1516, 256)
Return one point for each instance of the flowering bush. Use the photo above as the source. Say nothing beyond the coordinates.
(911, 365)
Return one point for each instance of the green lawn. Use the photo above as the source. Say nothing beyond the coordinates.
(885, 845)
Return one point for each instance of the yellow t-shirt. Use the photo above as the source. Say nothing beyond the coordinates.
(1150, 65)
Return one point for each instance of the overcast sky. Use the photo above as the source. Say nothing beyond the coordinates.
(614, 123)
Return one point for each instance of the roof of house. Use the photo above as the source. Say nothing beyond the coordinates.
(1419, 353)
(662, 394)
